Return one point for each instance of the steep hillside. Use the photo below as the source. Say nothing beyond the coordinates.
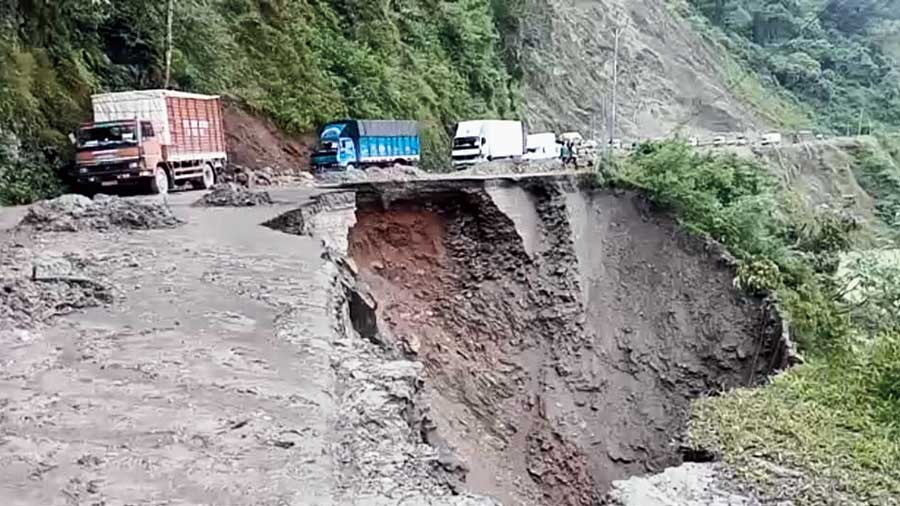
(836, 58)
(298, 62)
(668, 76)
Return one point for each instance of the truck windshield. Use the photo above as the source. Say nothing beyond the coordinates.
(328, 145)
(465, 142)
(106, 136)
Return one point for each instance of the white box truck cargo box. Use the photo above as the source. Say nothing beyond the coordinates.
(541, 146)
(505, 139)
(484, 140)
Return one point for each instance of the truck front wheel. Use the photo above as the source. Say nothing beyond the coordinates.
(209, 177)
(159, 185)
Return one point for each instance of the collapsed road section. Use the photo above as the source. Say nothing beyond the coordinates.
(460, 342)
(563, 329)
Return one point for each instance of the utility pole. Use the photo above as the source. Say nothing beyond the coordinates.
(617, 33)
(169, 42)
(859, 128)
(615, 87)
(593, 118)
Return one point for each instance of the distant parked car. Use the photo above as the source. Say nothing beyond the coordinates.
(719, 140)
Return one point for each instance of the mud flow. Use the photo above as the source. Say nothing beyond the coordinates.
(563, 331)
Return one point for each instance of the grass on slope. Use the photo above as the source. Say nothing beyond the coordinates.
(827, 431)
(821, 433)
(833, 57)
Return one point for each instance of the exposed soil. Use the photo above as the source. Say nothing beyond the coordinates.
(256, 142)
(563, 332)
(226, 370)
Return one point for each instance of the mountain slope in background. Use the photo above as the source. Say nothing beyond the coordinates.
(669, 78)
(837, 58)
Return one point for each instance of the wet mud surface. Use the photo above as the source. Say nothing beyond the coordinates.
(219, 367)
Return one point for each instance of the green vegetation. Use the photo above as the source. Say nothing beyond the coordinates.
(879, 176)
(837, 59)
(827, 431)
(300, 62)
(877, 169)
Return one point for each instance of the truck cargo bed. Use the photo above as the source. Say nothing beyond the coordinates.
(189, 125)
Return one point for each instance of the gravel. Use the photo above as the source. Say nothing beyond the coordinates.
(394, 173)
(73, 213)
(233, 195)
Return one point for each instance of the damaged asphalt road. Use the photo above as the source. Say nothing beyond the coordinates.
(218, 371)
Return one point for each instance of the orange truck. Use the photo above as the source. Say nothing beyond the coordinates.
(159, 139)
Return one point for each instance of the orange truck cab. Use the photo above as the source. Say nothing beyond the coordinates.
(158, 138)
(113, 153)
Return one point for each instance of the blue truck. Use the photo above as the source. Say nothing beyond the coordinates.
(357, 143)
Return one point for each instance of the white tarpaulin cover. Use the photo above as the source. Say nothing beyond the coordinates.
(147, 105)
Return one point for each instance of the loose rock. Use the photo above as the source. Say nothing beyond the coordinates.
(72, 213)
(233, 195)
(689, 484)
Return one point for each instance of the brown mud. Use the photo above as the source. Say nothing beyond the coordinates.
(256, 142)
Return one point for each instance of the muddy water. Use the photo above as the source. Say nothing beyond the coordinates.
(563, 332)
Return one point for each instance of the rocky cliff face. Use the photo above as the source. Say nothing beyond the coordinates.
(669, 77)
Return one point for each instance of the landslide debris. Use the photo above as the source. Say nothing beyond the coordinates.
(73, 213)
(564, 332)
(233, 195)
(669, 76)
(690, 484)
(499, 167)
(265, 176)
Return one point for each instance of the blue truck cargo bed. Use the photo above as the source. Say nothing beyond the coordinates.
(361, 143)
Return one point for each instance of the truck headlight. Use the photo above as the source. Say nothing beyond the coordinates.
(133, 165)
(83, 170)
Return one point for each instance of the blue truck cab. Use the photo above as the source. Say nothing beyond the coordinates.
(360, 143)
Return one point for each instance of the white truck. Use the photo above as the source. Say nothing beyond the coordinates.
(770, 139)
(541, 146)
(481, 141)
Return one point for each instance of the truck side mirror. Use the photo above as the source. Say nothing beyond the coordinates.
(72, 139)
(483, 141)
